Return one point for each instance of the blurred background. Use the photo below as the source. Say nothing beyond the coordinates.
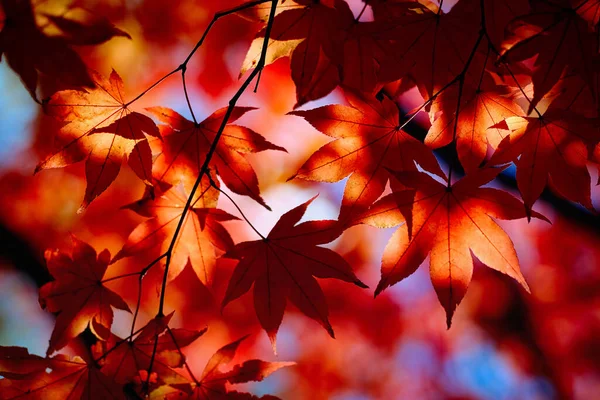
(504, 343)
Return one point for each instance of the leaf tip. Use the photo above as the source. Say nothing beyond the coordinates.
(450, 309)
(117, 257)
(524, 284)
(296, 113)
(329, 329)
(291, 177)
(528, 212)
(380, 288)
(540, 216)
(360, 284)
(300, 102)
(273, 340)
(122, 33)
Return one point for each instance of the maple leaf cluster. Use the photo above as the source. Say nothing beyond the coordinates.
(114, 366)
(502, 83)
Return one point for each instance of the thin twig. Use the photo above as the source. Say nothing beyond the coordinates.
(114, 278)
(204, 169)
(142, 274)
(138, 303)
(183, 65)
(158, 82)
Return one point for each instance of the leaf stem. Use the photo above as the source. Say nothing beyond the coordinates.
(213, 184)
(142, 274)
(158, 82)
(357, 19)
(187, 98)
(114, 278)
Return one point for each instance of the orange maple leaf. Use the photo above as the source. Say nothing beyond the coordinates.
(552, 148)
(284, 265)
(102, 130)
(201, 234)
(212, 383)
(452, 224)
(483, 106)
(78, 294)
(368, 140)
(186, 146)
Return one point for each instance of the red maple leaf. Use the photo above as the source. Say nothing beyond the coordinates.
(30, 377)
(212, 383)
(559, 39)
(78, 294)
(122, 359)
(358, 54)
(186, 146)
(588, 10)
(429, 45)
(284, 265)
